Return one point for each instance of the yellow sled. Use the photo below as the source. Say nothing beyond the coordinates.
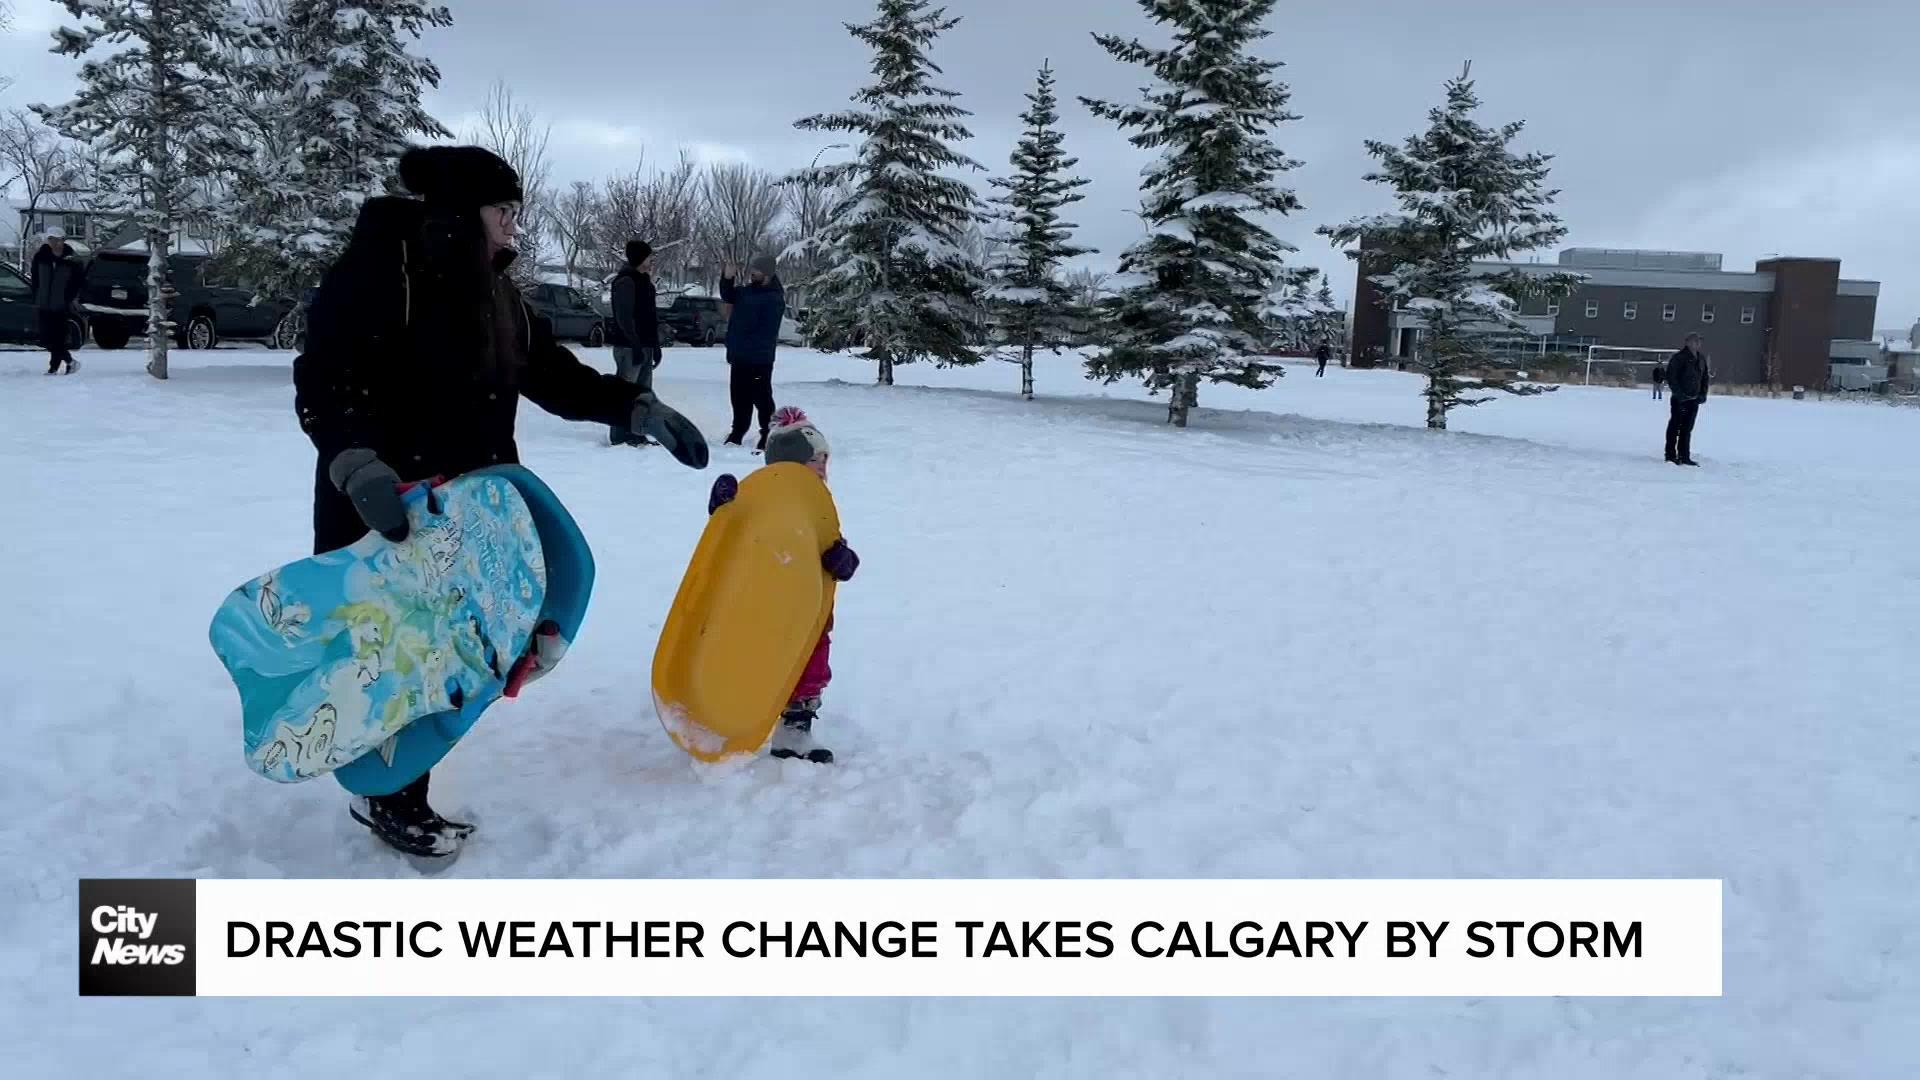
(749, 611)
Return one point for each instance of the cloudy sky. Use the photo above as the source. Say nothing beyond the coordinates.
(1748, 128)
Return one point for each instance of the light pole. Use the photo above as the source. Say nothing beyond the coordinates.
(822, 150)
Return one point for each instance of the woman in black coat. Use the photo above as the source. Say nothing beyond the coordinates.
(418, 350)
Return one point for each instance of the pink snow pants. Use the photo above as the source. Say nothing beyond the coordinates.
(817, 674)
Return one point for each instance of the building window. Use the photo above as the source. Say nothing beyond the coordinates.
(1706, 312)
(1593, 309)
(1746, 316)
(1669, 312)
(1553, 307)
(1630, 310)
(77, 227)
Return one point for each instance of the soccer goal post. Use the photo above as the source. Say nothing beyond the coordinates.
(1623, 357)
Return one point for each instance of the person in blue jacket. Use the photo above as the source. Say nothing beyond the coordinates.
(753, 332)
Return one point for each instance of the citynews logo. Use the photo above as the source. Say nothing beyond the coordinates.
(136, 937)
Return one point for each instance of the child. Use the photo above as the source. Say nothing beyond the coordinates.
(793, 437)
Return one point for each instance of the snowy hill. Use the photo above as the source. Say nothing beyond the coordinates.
(1306, 639)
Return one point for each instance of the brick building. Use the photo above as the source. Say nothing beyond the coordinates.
(1784, 323)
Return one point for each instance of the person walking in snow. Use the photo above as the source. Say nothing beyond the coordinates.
(753, 333)
(793, 437)
(55, 274)
(1659, 379)
(1322, 354)
(636, 330)
(1687, 376)
(419, 348)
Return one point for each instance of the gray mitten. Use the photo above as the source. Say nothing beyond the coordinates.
(375, 490)
(665, 425)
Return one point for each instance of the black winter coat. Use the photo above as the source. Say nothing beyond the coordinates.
(419, 351)
(636, 321)
(753, 330)
(56, 279)
(1687, 376)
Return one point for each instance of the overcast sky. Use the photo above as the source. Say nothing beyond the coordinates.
(1747, 128)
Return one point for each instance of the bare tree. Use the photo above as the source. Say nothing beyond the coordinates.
(571, 220)
(806, 210)
(512, 131)
(34, 156)
(739, 206)
(660, 207)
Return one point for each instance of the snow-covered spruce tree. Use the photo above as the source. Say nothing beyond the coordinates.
(1036, 309)
(1464, 196)
(897, 281)
(157, 108)
(331, 102)
(1192, 294)
(1304, 316)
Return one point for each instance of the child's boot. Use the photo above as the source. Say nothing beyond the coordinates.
(794, 737)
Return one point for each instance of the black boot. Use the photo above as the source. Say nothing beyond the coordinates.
(794, 737)
(405, 822)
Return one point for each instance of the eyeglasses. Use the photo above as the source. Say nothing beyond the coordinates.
(509, 211)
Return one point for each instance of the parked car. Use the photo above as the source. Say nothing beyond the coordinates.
(696, 320)
(574, 318)
(18, 324)
(205, 312)
(791, 331)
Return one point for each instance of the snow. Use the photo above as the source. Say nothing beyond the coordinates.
(1305, 638)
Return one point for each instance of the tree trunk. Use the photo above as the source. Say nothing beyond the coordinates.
(1186, 394)
(885, 377)
(159, 327)
(1026, 372)
(158, 300)
(1436, 405)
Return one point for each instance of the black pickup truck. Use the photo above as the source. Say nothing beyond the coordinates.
(205, 312)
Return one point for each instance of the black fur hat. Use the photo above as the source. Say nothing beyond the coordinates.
(637, 252)
(461, 177)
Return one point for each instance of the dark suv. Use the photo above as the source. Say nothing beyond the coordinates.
(204, 313)
(573, 316)
(696, 320)
(18, 323)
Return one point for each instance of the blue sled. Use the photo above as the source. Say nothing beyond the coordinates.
(420, 745)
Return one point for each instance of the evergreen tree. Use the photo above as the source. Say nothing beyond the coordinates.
(1304, 316)
(333, 100)
(897, 281)
(157, 109)
(1464, 197)
(1193, 292)
(1035, 307)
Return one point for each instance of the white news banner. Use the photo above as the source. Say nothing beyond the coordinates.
(1013, 938)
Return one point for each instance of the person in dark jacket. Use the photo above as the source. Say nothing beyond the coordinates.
(1659, 379)
(753, 333)
(419, 349)
(56, 275)
(636, 329)
(1322, 355)
(1687, 378)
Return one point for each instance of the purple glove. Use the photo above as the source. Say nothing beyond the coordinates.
(840, 561)
(725, 487)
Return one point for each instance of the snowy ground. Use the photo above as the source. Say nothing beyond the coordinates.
(1306, 639)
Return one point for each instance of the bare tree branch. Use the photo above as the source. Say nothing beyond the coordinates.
(740, 205)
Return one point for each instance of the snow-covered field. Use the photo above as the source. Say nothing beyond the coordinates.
(1306, 639)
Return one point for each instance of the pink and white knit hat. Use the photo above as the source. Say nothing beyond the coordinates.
(793, 437)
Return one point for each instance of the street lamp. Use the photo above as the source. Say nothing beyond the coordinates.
(824, 149)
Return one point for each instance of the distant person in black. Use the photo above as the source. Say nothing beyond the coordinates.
(636, 330)
(753, 335)
(1322, 354)
(1659, 379)
(55, 274)
(1687, 376)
